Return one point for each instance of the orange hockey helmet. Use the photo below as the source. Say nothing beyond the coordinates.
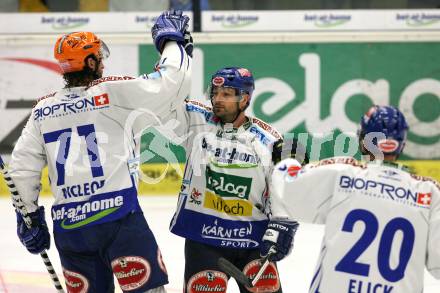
(72, 49)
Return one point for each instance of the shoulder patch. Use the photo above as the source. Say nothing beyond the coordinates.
(108, 78)
(194, 106)
(341, 160)
(43, 98)
(198, 104)
(429, 179)
(266, 127)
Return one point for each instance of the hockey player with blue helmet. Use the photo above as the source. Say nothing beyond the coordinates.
(382, 223)
(383, 130)
(224, 203)
(235, 83)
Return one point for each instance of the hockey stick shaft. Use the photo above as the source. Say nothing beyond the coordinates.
(238, 275)
(260, 271)
(20, 207)
(266, 261)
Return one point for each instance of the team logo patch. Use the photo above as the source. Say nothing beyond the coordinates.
(195, 197)
(232, 207)
(424, 199)
(244, 72)
(218, 81)
(75, 282)
(132, 272)
(293, 170)
(161, 262)
(207, 282)
(268, 282)
(101, 100)
(388, 145)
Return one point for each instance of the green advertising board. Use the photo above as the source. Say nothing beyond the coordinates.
(321, 90)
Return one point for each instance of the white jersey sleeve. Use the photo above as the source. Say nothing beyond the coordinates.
(433, 247)
(186, 122)
(315, 193)
(159, 91)
(32, 158)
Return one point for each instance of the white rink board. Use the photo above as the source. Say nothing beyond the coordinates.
(21, 271)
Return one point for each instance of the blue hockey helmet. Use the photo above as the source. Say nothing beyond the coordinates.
(238, 78)
(389, 121)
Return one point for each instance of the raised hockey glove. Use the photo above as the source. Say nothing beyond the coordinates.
(170, 25)
(188, 43)
(279, 234)
(37, 238)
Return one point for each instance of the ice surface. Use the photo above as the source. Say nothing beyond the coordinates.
(21, 271)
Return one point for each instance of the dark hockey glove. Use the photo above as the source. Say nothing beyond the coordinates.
(188, 43)
(279, 234)
(37, 238)
(170, 25)
(289, 148)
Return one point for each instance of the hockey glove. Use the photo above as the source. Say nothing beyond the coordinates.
(170, 25)
(188, 43)
(290, 148)
(279, 234)
(37, 238)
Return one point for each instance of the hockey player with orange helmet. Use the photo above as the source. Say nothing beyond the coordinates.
(85, 135)
(72, 51)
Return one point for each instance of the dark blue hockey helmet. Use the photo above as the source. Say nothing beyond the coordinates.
(389, 121)
(238, 78)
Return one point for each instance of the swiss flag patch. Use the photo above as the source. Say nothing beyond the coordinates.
(101, 100)
(424, 199)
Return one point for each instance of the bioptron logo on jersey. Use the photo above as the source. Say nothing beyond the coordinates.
(392, 192)
(72, 107)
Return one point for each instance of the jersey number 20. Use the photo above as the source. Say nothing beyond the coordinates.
(349, 264)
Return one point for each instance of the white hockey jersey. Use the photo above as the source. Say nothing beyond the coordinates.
(90, 139)
(224, 193)
(382, 224)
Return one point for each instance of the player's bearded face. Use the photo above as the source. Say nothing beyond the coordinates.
(100, 69)
(225, 103)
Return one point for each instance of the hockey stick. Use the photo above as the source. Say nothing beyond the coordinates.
(19, 206)
(238, 275)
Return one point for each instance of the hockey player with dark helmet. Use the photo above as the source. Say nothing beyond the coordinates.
(224, 202)
(385, 197)
(230, 93)
(383, 131)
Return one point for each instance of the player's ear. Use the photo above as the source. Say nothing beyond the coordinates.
(91, 63)
(362, 147)
(244, 102)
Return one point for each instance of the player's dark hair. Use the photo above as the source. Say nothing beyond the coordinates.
(83, 77)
